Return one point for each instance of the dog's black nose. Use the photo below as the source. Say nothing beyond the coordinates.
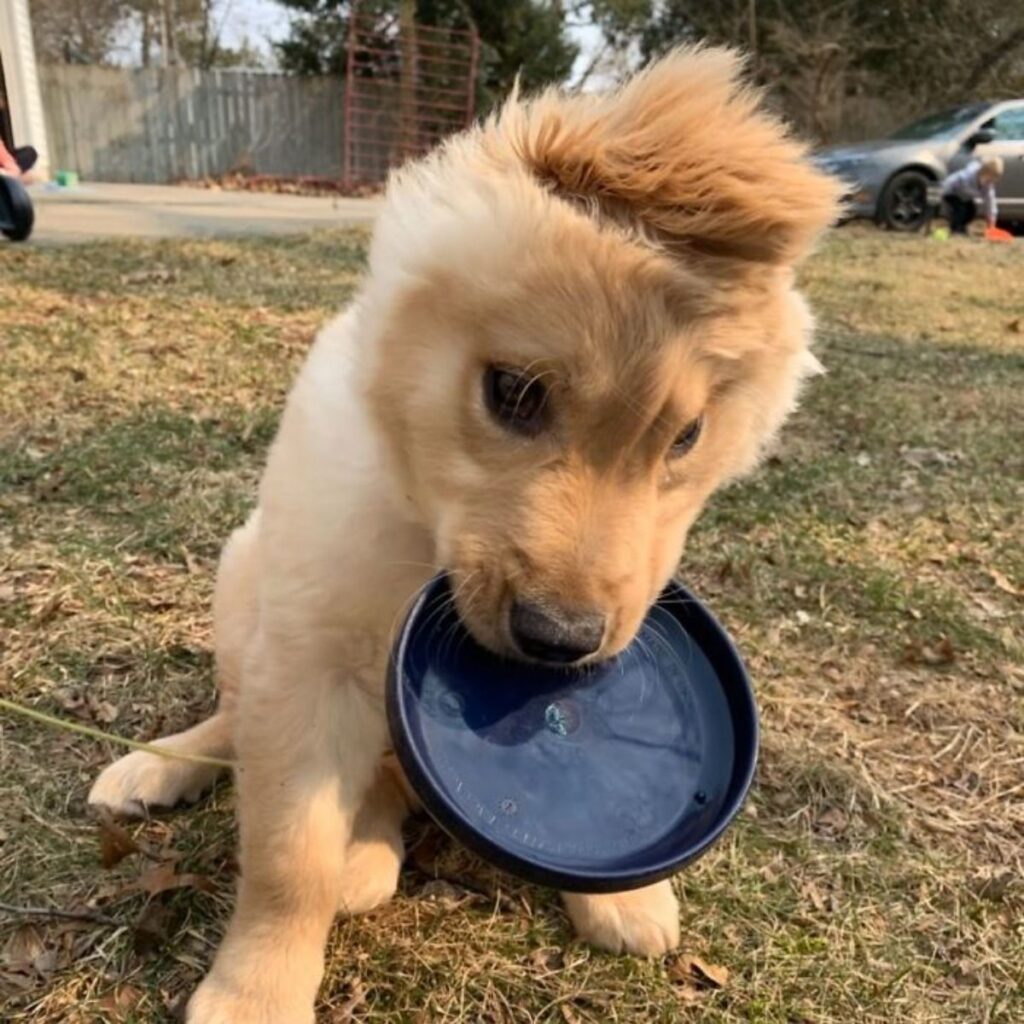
(553, 634)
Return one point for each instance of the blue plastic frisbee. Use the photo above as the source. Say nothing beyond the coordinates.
(593, 780)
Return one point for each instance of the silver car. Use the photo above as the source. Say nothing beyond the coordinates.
(894, 180)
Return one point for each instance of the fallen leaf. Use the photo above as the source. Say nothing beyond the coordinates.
(72, 701)
(356, 998)
(968, 782)
(1003, 583)
(175, 1003)
(155, 275)
(833, 671)
(440, 891)
(812, 894)
(714, 975)
(48, 609)
(941, 653)
(103, 711)
(16, 979)
(968, 971)
(994, 886)
(547, 959)
(162, 878)
(86, 707)
(833, 820)
(119, 1003)
(921, 458)
(191, 565)
(46, 962)
(988, 607)
(1008, 671)
(23, 946)
(1008, 637)
(687, 968)
(152, 928)
(27, 954)
(115, 842)
(689, 992)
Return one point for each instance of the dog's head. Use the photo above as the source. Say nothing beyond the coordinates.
(584, 322)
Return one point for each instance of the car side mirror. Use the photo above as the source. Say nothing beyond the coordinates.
(981, 137)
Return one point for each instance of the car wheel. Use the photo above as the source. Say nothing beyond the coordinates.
(904, 204)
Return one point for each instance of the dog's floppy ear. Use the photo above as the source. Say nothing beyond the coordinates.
(686, 153)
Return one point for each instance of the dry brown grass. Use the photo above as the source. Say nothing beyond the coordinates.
(873, 573)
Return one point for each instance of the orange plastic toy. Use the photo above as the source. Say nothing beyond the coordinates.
(998, 235)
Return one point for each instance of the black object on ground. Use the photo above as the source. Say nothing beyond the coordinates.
(16, 213)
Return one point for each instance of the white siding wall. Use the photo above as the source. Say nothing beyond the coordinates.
(19, 59)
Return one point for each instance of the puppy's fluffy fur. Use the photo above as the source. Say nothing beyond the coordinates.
(633, 255)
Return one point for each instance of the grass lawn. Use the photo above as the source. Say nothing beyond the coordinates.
(872, 571)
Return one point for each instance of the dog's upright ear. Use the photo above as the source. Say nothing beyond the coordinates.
(684, 152)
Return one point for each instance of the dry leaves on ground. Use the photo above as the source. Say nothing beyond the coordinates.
(1003, 583)
(693, 975)
(356, 997)
(115, 842)
(156, 920)
(121, 1002)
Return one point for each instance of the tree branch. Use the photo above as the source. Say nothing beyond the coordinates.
(988, 60)
(591, 67)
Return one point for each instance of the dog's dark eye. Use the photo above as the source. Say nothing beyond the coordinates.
(686, 438)
(516, 399)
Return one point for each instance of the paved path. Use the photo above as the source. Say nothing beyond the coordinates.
(95, 210)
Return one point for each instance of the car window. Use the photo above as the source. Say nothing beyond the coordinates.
(1009, 125)
(940, 125)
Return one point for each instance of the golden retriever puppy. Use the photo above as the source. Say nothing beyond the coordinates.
(579, 320)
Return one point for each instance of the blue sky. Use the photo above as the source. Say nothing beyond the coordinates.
(259, 20)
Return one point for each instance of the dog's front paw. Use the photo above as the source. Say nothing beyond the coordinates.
(142, 780)
(215, 1002)
(644, 922)
(371, 875)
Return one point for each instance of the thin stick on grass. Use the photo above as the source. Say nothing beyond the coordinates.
(99, 734)
(65, 915)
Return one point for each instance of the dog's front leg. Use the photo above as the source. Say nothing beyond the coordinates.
(644, 922)
(309, 743)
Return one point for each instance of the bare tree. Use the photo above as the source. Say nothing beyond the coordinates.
(809, 63)
(824, 58)
(75, 31)
(1009, 44)
(199, 35)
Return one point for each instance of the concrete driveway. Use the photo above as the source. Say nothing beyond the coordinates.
(95, 210)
